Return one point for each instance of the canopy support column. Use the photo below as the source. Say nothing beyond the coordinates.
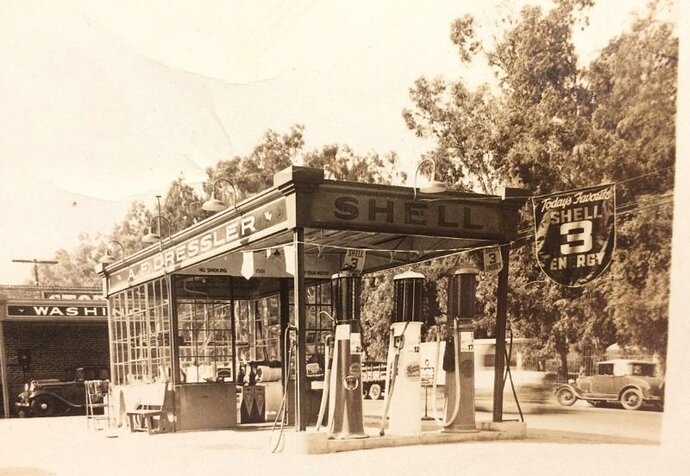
(301, 322)
(500, 333)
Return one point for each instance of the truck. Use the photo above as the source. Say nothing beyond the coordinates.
(373, 379)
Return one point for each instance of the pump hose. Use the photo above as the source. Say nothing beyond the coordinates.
(393, 375)
(456, 349)
(326, 383)
(282, 411)
(508, 374)
(390, 381)
(434, 410)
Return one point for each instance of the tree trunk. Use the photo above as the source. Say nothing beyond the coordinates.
(562, 350)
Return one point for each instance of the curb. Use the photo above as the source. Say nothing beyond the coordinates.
(318, 443)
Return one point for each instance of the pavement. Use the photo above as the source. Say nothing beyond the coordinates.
(64, 445)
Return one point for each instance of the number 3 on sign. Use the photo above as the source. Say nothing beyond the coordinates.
(578, 237)
(354, 260)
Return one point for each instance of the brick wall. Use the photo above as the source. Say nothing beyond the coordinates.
(56, 348)
(45, 292)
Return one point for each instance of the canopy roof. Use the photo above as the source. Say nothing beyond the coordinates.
(393, 225)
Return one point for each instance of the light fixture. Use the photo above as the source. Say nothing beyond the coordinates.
(215, 205)
(152, 237)
(433, 186)
(110, 259)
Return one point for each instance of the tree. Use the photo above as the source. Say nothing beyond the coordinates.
(633, 85)
(462, 122)
(341, 163)
(181, 206)
(552, 126)
(640, 300)
(252, 173)
(76, 268)
(377, 309)
(132, 229)
(523, 136)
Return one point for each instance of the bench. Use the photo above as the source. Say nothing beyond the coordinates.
(149, 409)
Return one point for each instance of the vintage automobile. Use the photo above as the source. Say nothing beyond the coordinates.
(632, 383)
(534, 389)
(48, 397)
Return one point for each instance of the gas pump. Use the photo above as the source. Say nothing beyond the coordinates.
(403, 389)
(345, 416)
(458, 360)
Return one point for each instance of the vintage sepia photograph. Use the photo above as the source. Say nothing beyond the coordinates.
(327, 237)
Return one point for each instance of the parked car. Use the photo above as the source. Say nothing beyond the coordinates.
(632, 383)
(48, 397)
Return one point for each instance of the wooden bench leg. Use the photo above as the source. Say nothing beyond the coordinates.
(149, 424)
(130, 418)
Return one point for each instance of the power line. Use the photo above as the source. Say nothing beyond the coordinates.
(645, 175)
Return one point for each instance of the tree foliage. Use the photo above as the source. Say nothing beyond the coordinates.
(254, 172)
(341, 163)
(76, 267)
(182, 206)
(232, 180)
(551, 125)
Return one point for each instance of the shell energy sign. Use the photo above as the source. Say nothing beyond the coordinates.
(575, 233)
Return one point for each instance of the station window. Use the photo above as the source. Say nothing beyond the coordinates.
(267, 329)
(204, 328)
(140, 327)
(257, 330)
(319, 323)
(243, 330)
(215, 333)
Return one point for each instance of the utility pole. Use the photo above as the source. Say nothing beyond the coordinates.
(35, 262)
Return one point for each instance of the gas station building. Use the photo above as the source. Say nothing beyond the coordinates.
(48, 332)
(246, 296)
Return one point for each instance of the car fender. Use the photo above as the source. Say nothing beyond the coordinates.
(570, 387)
(54, 395)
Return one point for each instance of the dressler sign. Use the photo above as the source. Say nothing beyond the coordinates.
(225, 237)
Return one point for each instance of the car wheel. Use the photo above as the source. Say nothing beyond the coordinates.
(375, 391)
(631, 399)
(42, 406)
(566, 397)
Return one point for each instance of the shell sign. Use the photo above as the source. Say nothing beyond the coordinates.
(575, 233)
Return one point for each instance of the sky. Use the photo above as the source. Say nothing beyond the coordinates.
(102, 103)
